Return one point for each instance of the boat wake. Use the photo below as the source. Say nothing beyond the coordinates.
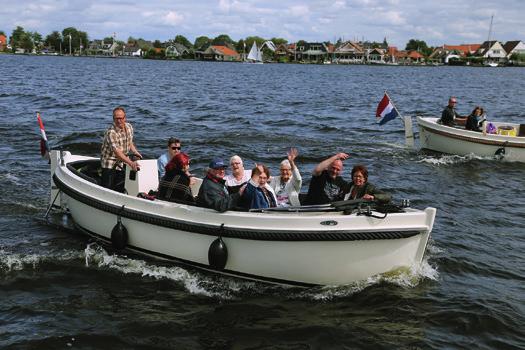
(451, 159)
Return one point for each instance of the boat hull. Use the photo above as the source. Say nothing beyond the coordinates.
(304, 249)
(441, 138)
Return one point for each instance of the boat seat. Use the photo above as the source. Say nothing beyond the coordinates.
(521, 131)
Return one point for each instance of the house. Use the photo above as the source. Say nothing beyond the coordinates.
(132, 51)
(375, 56)
(101, 48)
(284, 53)
(492, 50)
(176, 50)
(409, 57)
(446, 53)
(220, 53)
(390, 56)
(313, 52)
(349, 52)
(514, 47)
(3, 42)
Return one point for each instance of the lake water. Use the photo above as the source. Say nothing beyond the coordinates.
(59, 290)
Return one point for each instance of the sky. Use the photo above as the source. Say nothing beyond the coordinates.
(436, 22)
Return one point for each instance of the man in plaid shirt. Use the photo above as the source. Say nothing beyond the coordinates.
(118, 141)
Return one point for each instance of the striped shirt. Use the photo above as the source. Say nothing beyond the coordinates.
(115, 138)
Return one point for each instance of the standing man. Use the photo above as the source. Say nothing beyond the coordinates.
(118, 141)
(174, 147)
(327, 185)
(449, 114)
(213, 192)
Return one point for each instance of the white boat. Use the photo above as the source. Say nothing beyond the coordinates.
(507, 143)
(303, 246)
(255, 54)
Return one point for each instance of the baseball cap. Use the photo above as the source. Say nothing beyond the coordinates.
(217, 163)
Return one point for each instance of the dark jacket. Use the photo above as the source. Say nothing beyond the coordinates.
(472, 123)
(323, 189)
(255, 198)
(175, 187)
(214, 195)
(448, 115)
(368, 188)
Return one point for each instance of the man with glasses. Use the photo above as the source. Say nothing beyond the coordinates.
(449, 115)
(213, 193)
(116, 145)
(174, 147)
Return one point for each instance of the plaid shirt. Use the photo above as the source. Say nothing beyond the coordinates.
(115, 138)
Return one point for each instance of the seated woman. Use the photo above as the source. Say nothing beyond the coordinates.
(258, 194)
(238, 177)
(473, 120)
(360, 188)
(288, 185)
(175, 184)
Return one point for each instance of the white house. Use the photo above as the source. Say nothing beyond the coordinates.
(492, 51)
(514, 47)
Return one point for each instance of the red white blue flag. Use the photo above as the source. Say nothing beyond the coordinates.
(44, 146)
(386, 110)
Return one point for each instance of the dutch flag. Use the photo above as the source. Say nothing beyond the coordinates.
(44, 146)
(386, 110)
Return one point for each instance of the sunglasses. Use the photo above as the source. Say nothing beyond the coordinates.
(175, 148)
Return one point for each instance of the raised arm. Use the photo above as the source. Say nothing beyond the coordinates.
(327, 162)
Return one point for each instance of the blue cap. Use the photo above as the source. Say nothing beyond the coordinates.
(217, 163)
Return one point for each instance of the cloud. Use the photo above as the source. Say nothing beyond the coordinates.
(446, 21)
(173, 18)
(299, 10)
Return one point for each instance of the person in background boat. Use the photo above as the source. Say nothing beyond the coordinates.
(117, 143)
(360, 188)
(175, 184)
(258, 194)
(238, 177)
(288, 185)
(174, 147)
(449, 116)
(213, 193)
(326, 184)
(473, 120)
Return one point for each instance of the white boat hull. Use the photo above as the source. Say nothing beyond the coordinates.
(451, 140)
(299, 248)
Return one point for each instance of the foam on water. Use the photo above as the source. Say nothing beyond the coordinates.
(96, 255)
(448, 159)
(11, 178)
(16, 262)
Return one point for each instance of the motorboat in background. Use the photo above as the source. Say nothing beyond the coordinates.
(508, 142)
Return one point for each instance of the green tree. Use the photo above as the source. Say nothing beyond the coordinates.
(224, 40)
(201, 42)
(37, 39)
(54, 40)
(157, 44)
(73, 35)
(249, 41)
(181, 39)
(241, 46)
(16, 37)
(417, 45)
(26, 42)
(279, 41)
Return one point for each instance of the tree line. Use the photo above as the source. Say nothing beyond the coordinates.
(75, 40)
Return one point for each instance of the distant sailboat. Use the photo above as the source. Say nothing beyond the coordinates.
(488, 62)
(255, 55)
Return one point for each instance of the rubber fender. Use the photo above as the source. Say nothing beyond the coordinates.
(500, 153)
(119, 236)
(218, 254)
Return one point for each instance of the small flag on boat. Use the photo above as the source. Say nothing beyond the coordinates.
(386, 110)
(44, 146)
